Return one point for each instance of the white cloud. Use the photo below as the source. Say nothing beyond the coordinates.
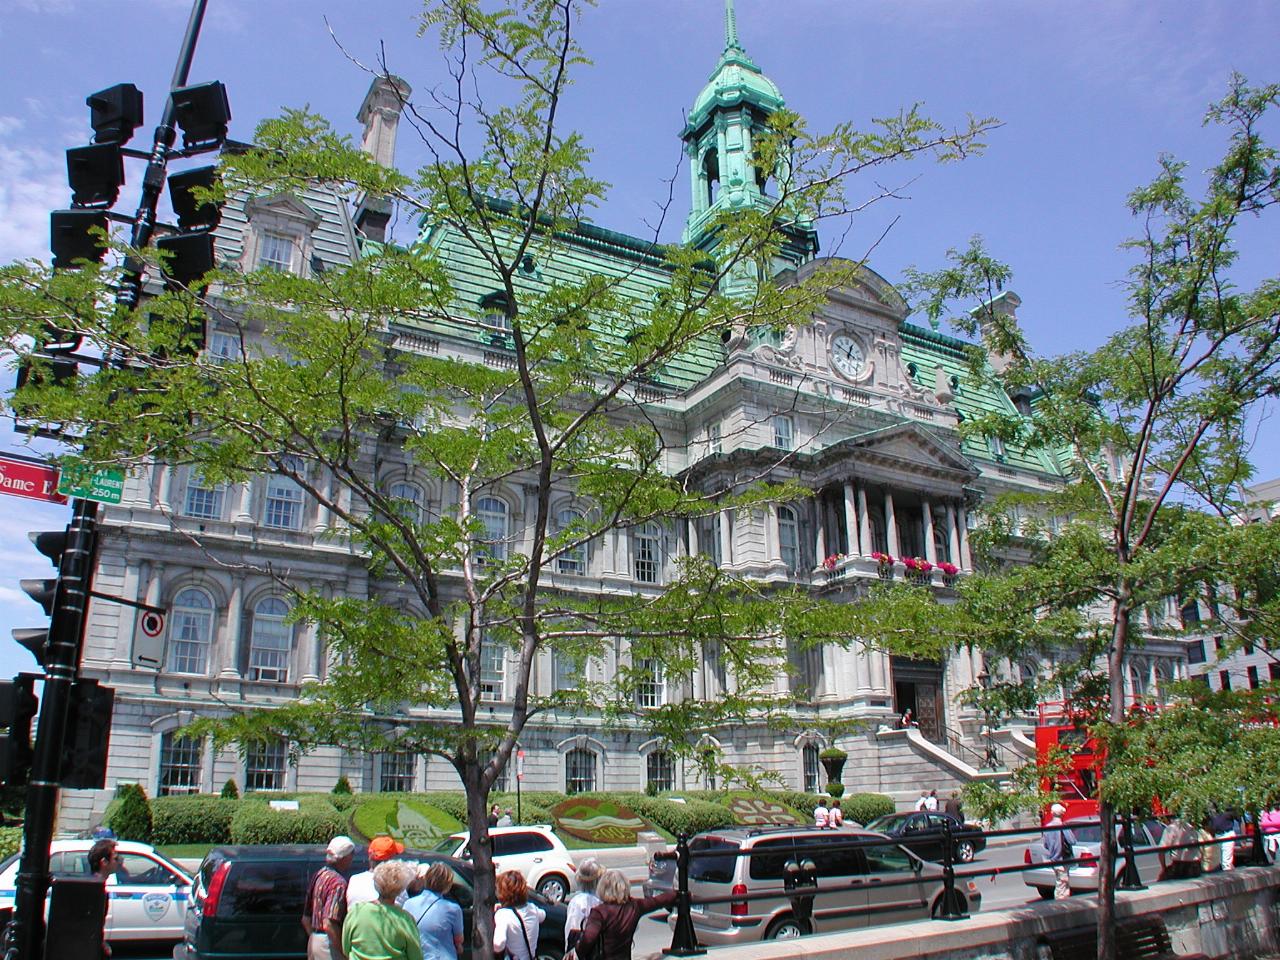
(33, 181)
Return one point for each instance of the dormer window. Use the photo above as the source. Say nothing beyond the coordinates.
(275, 252)
(493, 311)
(279, 236)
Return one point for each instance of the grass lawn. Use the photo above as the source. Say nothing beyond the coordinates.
(186, 851)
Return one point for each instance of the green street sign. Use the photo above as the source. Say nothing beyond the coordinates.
(105, 485)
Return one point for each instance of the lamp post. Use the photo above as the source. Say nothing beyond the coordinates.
(991, 759)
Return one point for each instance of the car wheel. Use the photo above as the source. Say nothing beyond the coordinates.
(962, 905)
(1046, 893)
(786, 928)
(554, 887)
(965, 852)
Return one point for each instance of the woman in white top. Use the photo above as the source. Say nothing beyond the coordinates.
(580, 903)
(516, 921)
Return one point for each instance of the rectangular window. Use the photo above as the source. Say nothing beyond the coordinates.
(783, 432)
(569, 671)
(264, 766)
(709, 538)
(396, 772)
(493, 670)
(1273, 669)
(222, 347)
(651, 686)
(179, 765)
(660, 771)
(996, 446)
(276, 253)
(204, 501)
(1253, 678)
(1224, 680)
(646, 553)
(1195, 652)
(715, 441)
(809, 757)
(283, 507)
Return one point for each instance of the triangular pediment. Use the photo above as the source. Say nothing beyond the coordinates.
(282, 205)
(911, 446)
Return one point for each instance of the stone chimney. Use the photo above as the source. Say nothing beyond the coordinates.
(380, 114)
(1004, 305)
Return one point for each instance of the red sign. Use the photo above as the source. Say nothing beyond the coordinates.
(30, 479)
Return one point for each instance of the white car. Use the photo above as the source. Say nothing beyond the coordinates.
(147, 895)
(534, 851)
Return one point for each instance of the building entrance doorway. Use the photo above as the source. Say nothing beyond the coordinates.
(917, 686)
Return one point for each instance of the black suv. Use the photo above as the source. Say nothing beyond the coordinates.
(247, 902)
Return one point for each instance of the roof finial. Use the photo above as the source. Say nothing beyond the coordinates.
(730, 27)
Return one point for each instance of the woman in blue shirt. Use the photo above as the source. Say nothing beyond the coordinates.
(439, 919)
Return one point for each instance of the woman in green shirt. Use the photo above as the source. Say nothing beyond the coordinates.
(380, 930)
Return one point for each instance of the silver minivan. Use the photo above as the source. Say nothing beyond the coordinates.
(852, 883)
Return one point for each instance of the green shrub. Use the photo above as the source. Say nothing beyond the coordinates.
(316, 821)
(10, 841)
(865, 807)
(192, 819)
(230, 790)
(692, 816)
(346, 802)
(343, 785)
(129, 815)
(835, 789)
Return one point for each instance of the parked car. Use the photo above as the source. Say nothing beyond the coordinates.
(147, 896)
(923, 833)
(534, 851)
(247, 902)
(1083, 876)
(852, 883)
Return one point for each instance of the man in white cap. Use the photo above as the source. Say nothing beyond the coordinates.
(1058, 841)
(327, 902)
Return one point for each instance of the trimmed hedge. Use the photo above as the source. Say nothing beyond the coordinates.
(865, 807)
(534, 805)
(691, 816)
(316, 821)
(192, 819)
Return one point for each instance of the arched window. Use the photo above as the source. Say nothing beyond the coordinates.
(190, 629)
(492, 514)
(573, 560)
(270, 641)
(646, 553)
(809, 761)
(789, 538)
(660, 771)
(179, 765)
(579, 771)
(282, 505)
(493, 310)
(408, 500)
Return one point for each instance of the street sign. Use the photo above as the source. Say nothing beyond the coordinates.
(20, 477)
(104, 485)
(519, 764)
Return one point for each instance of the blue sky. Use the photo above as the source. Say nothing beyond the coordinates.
(1090, 93)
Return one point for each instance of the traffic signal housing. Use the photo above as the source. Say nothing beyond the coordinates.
(44, 591)
(84, 763)
(115, 113)
(18, 706)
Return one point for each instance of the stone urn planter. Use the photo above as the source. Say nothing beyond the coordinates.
(833, 760)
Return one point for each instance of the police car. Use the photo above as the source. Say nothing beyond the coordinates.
(147, 895)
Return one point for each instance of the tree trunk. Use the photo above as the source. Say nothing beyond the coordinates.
(481, 858)
(1106, 812)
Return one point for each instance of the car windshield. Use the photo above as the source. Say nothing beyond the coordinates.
(1089, 831)
(884, 823)
(446, 846)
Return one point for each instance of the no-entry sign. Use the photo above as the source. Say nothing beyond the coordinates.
(20, 477)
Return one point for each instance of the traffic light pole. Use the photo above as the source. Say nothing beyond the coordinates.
(66, 628)
(66, 631)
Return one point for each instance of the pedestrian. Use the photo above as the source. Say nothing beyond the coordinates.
(923, 801)
(1223, 827)
(931, 801)
(952, 806)
(103, 861)
(612, 925)
(1057, 849)
(380, 929)
(1210, 853)
(439, 919)
(506, 820)
(821, 815)
(494, 813)
(836, 817)
(360, 888)
(1271, 831)
(906, 721)
(1180, 864)
(581, 903)
(327, 901)
(516, 921)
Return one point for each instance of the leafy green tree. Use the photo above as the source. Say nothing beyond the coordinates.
(1154, 423)
(130, 814)
(322, 390)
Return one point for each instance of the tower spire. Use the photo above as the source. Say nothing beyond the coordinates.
(730, 27)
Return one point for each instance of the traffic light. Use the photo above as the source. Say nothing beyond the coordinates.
(18, 705)
(114, 113)
(51, 543)
(203, 112)
(77, 235)
(84, 762)
(96, 174)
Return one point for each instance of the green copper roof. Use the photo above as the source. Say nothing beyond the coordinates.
(736, 79)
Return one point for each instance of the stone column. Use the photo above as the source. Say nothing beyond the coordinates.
(953, 538)
(696, 183)
(309, 651)
(230, 659)
(164, 485)
(691, 536)
(864, 524)
(324, 484)
(773, 544)
(852, 520)
(962, 524)
(861, 667)
(819, 513)
(890, 524)
(926, 515)
(726, 538)
(245, 508)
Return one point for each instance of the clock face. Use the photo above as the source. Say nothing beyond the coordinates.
(846, 355)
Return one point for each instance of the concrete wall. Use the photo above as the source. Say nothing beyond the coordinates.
(1225, 916)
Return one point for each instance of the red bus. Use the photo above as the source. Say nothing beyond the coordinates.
(1077, 784)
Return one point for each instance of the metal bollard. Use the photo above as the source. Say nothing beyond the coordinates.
(684, 942)
(953, 905)
(1129, 878)
(800, 880)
